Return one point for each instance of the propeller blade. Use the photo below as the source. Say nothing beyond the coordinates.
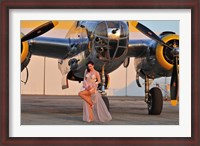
(146, 31)
(174, 83)
(39, 30)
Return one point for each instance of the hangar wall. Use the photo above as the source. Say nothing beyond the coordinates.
(45, 79)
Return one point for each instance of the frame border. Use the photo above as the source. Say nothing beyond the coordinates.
(6, 5)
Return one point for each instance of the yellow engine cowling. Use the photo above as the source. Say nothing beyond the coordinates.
(25, 54)
(160, 51)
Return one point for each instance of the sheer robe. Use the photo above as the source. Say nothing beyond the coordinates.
(99, 110)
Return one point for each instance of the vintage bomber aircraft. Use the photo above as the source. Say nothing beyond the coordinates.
(107, 44)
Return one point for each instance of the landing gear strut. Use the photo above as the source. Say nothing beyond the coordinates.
(153, 98)
(103, 93)
(103, 81)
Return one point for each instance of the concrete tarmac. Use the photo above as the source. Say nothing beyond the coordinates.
(67, 110)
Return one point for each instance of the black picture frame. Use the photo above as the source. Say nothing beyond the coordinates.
(6, 5)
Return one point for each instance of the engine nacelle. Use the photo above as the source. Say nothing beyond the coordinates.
(158, 60)
(25, 54)
(164, 54)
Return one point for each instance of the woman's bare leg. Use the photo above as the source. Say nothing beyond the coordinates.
(85, 94)
(90, 111)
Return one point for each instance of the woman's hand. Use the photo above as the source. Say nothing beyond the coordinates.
(88, 87)
(85, 85)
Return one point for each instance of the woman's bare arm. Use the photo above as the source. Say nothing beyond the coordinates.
(98, 78)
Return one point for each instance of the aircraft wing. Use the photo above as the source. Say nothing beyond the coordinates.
(61, 48)
(138, 48)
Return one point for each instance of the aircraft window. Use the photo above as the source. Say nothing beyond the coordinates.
(101, 29)
(120, 51)
(90, 25)
(123, 42)
(113, 24)
(124, 30)
(113, 46)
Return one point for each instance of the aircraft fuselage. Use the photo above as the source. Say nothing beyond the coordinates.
(108, 44)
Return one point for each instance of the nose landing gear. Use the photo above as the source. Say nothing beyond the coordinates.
(103, 92)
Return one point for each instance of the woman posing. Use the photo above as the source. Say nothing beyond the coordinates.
(94, 108)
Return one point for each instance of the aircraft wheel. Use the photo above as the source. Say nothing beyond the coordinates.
(106, 101)
(155, 102)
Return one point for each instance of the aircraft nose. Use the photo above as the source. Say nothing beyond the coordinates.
(110, 39)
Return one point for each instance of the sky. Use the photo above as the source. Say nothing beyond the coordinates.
(155, 25)
(162, 25)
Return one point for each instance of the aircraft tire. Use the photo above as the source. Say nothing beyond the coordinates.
(155, 104)
(106, 101)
